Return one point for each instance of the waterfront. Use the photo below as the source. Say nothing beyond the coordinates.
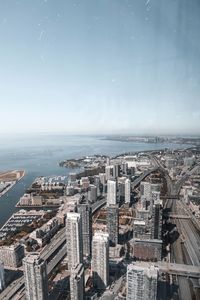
(40, 155)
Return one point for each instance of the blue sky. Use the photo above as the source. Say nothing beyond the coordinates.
(99, 66)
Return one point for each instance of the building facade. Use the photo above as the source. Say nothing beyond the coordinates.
(85, 211)
(74, 239)
(127, 191)
(113, 224)
(2, 277)
(35, 275)
(100, 260)
(111, 192)
(77, 283)
(142, 282)
(12, 255)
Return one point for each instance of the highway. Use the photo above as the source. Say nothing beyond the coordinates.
(12, 289)
(159, 165)
(185, 250)
(57, 241)
(137, 181)
(180, 182)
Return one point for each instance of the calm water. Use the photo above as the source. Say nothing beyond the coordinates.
(40, 156)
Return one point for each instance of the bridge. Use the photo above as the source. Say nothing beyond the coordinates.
(137, 181)
(174, 216)
(179, 269)
(97, 205)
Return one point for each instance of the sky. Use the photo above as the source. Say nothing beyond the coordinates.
(100, 66)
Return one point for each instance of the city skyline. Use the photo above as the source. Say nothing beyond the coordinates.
(128, 67)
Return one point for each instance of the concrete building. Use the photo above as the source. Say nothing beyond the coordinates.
(70, 190)
(102, 177)
(142, 282)
(74, 239)
(156, 222)
(43, 234)
(124, 168)
(170, 163)
(107, 161)
(127, 191)
(97, 183)
(111, 192)
(145, 190)
(109, 172)
(155, 187)
(113, 224)
(100, 260)
(72, 177)
(116, 170)
(35, 275)
(146, 249)
(85, 182)
(2, 277)
(12, 255)
(85, 211)
(77, 283)
(140, 230)
(143, 214)
(155, 197)
(92, 193)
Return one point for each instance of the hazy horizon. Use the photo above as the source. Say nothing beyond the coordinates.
(100, 67)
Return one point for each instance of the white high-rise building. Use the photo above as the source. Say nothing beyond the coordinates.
(109, 172)
(100, 260)
(35, 275)
(74, 239)
(77, 283)
(127, 191)
(111, 192)
(142, 281)
(2, 277)
(155, 197)
(102, 177)
(92, 193)
(107, 161)
(145, 190)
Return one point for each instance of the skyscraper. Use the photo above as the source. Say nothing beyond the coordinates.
(77, 283)
(156, 222)
(116, 170)
(113, 224)
(127, 191)
(92, 193)
(2, 277)
(145, 190)
(85, 211)
(111, 192)
(109, 172)
(141, 281)
(100, 260)
(74, 239)
(35, 275)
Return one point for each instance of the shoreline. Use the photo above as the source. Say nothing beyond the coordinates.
(12, 184)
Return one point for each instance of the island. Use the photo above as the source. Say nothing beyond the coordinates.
(8, 179)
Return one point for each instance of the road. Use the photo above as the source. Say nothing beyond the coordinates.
(185, 250)
(57, 241)
(137, 181)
